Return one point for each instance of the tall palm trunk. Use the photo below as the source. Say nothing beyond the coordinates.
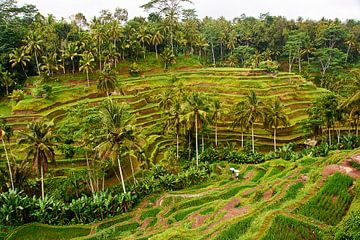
(216, 135)
(202, 143)
(8, 162)
(87, 77)
(275, 139)
(196, 140)
(37, 63)
(73, 66)
(156, 51)
(329, 131)
(121, 174)
(132, 168)
(42, 180)
(89, 173)
(242, 139)
(177, 145)
(213, 53)
(252, 138)
(22, 66)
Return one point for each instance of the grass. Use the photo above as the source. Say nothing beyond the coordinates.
(285, 228)
(355, 164)
(331, 203)
(44, 232)
(113, 222)
(150, 213)
(235, 231)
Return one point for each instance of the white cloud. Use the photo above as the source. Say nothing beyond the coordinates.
(313, 9)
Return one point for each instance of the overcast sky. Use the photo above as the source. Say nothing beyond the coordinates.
(308, 9)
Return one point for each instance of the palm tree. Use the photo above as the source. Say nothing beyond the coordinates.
(196, 116)
(71, 52)
(167, 57)
(2, 134)
(6, 81)
(275, 116)
(118, 122)
(107, 81)
(33, 45)
(252, 113)
(86, 65)
(144, 37)
(216, 114)
(39, 145)
(166, 100)
(239, 120)
(156, 39)
(174, 121)
(19, 57)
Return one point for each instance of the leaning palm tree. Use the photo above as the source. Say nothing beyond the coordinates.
(34, 45)
(107, 81)
(239, 120)
(71, 52)
(216, 114)
(166, 100)
(118, 123)
(275, 116)
(196, 116)
(252, 113)
(2, 135)
(19, 57)
(167, 58)
(39, 144)
(86, 65)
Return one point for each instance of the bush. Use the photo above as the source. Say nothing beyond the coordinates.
(18, 95)
(134, 69)
(212, 155)
(44, 91)
(270, 66)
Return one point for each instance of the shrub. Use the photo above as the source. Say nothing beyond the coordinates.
(18, 95)
(134, 69)
(270, 66)
(44, 91)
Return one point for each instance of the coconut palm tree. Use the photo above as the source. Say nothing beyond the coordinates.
(39, 144)
(239, 120)
(71, 52)
(2, 135)
(166, 100)
(156, 39)
(173, 121)
(19, 57)
(144, 37)
(118, 122)
(34, 46)
(6, 81)
(167, 58)
(196, 116)
(275, 116)
(86, 65)
(107, 81)
(252, 113)
(216, 115)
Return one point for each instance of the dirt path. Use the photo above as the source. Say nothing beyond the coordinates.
(344, 168)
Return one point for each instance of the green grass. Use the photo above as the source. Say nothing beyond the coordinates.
(113, 222)
(331, 203)
(285, 228)
(43, 232)
(150, 213)
(355, 164)
(235, 231)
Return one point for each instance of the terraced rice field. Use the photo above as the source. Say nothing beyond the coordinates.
(266, 202)
(229, 85)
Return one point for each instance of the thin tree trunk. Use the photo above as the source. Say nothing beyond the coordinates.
(252, 138)
(22, 66)
(213, 53)
(132, 168)
(177, 146)
(121, 175)
(329, 131)
(242, 139)
(189, 147)
(202, 143)
(87, 78)
(156, 51)
(42, 181)
(37, 63)
(196, 141)
(89, 173)
(274, 139)
(73, 65)
(347, 53)
(216, 136)
(8, 162)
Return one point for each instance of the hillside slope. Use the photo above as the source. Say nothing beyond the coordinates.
(305, 199)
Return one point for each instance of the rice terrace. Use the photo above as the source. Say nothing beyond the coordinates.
(172, 124)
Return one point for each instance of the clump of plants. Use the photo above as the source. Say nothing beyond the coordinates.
(134, 69)
(18, 95)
